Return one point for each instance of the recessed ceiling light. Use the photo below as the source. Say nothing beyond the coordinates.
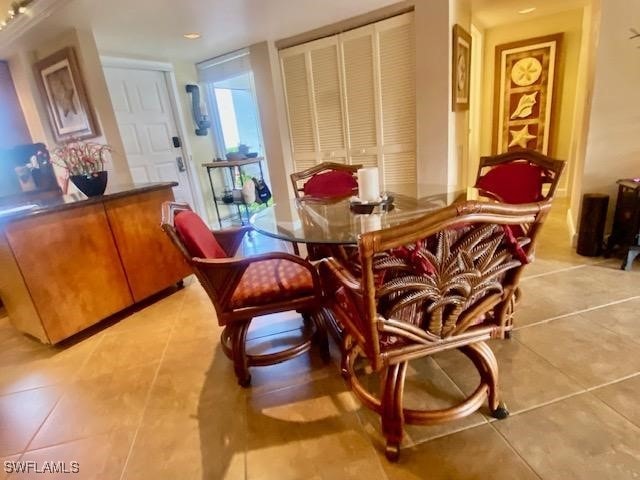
(192, 36)
(524, 11)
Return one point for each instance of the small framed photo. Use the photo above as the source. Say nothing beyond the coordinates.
(62, 88)
(460, 69)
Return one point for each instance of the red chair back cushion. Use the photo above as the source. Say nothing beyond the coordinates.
(513, 182)
(196, 236)
(336, 183)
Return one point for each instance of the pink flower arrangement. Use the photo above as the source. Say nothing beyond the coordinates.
(81, 158)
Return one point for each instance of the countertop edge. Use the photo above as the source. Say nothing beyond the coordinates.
(68, 204)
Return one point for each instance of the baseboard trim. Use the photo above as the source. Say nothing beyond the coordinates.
(573, 234)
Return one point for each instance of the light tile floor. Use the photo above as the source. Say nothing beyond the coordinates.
(152, 396)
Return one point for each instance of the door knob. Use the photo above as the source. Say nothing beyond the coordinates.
(180, 163)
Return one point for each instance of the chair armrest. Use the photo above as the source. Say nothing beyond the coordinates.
(341, 273)
(231, 238)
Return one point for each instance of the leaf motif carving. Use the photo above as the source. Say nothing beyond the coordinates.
(466, 265)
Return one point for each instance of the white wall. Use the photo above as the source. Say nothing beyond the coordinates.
(433, 90)
(21, 65)
(460, 13)
(613, 145)
(273, 122)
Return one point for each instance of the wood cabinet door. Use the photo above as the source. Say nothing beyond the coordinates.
(151, 262)
(71, 267)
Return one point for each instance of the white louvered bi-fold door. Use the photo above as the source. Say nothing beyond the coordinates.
(360, 93)
(396, 45)
(327, 99)
(351, 98)
(299, 108)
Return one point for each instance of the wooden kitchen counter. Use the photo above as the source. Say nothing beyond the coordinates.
(67, 261)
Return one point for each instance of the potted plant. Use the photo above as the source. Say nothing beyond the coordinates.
(84, 161)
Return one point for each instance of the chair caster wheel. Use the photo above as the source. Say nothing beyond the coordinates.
(501, 412)
(246, 382)
(392, 452)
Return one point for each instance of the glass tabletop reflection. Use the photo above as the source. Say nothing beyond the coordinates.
(315, 220)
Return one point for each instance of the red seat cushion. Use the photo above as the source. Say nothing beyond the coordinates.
(336, 183)
(196, 236)
(513, 182)
(271, 281)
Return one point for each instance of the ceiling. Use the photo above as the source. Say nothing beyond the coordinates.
(491, 13)
(154, 28)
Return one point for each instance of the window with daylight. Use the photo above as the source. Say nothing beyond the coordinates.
(232, 102)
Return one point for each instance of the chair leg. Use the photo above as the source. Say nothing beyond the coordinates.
(238, 348)
(391, 408)
(321, 336)
(485, 361)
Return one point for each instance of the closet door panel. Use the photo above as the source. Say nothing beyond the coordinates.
(351, 99)
(327, 97)
(299, 109)
(396, 44)
(365, 160)
(360, 89)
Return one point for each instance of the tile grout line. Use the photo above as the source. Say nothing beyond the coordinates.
(614, 410)
(552, 272)
(563, 269)
(548, 362)
(613, 382)
(549, 402)
(148, 396)
(64, 393)
(461, 429)
(515, 451)
(577, 312)
(452, 432)
(26, 448)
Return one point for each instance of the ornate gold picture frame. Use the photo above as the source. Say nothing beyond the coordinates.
(62, 88)
(460, 69)
(526, 80)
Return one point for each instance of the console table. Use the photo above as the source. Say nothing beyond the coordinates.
(232, 165)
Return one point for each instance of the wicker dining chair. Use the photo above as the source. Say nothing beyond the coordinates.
(443, 282)
(519, 176)
(244, 288)
(327, 180)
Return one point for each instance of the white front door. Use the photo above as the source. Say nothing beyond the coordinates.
(147, 126)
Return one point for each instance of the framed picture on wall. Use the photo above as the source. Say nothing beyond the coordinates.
(526, 79)
(64, 94)
(461, 69)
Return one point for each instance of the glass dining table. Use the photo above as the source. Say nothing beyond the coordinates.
(333, 221)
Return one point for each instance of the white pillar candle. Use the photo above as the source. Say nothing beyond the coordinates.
(370, 223)
(368, 184)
